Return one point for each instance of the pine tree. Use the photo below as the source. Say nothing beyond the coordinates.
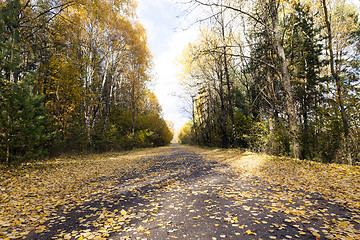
(302, 45)
(22, 114)
(22, 122)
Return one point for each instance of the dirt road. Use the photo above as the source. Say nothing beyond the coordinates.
(181, 195)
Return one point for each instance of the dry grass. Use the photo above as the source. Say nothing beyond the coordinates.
(336, 182)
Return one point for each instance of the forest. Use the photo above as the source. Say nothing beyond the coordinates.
(273, 91)
(74, 76)
(280, 77)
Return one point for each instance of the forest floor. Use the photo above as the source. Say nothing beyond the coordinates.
(180, 192)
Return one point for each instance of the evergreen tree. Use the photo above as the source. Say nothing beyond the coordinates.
(22, 114)
(303, 49)
(9, 40)
(22, 122)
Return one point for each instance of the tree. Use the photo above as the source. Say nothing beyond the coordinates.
(272, 30)
(274, 80)
(10, 40)
(336, 70)
(290, 104)
(303, 46)
(82, 65)
(23, 122)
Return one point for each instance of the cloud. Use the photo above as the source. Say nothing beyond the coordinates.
(159, 17)
(167, 84)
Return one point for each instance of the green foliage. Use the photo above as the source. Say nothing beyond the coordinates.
(332, 142)
(275, 141)
(304, 108)
(151, 131)
(157, 133)
(186, 135)
(304, 50)
(23, 122)
(23, 116)
(243, 125)
(9, 38)
(75, 82)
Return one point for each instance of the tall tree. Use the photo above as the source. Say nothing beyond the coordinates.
(302, 42)
(291, 108)
(335, 75)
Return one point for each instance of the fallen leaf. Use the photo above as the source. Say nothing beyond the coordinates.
(249, 232)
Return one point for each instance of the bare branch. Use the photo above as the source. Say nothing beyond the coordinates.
(230, 8)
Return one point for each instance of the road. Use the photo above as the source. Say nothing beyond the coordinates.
(182, 195)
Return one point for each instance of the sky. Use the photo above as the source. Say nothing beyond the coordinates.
(166, 41)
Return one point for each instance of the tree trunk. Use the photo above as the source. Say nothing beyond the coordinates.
(223, 119)
(108, 109)
(271, 117)
(338, 84)
(88, 102)
(102, 96)
(11, 77)
(133, 117)
(133, 104)
(8, 140)
(230, 107)
(193, 118)
(285, 79)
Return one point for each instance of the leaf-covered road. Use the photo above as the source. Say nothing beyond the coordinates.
(175, 192)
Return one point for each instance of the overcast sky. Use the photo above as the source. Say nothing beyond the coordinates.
(166, 41)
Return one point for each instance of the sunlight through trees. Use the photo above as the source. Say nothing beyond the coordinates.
(276, 76)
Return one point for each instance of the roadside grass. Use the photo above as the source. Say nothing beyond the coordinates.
(336, 182)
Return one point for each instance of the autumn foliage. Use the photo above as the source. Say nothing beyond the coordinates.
(74, 76)
(280, 77)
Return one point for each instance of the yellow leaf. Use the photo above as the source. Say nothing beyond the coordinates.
(140, 229)
(344, 224)
(249, 232)
(123, 212)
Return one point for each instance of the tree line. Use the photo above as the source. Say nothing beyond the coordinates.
(74, 75)
(275, 76)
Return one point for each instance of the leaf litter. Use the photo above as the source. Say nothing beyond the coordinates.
(172, 192)
(32, 194)
(289, 182)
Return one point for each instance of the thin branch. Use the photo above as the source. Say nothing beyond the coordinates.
(231, 8)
